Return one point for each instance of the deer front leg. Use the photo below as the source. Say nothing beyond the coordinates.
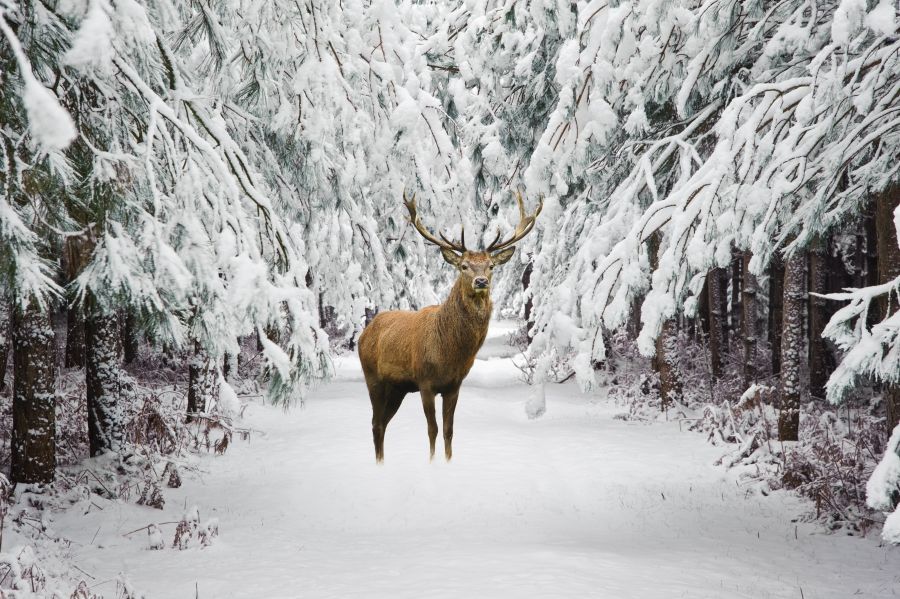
(428, 405)
(449, 409)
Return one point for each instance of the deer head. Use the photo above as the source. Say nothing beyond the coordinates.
(476, 266)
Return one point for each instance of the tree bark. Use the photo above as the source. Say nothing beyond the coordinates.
(230, 365)
(74, 339)
(735, 316)
(202, 387)
(5, 338)
(715, 286)
(819, 362)
(888, 269)
(776, 310)
(529, 301)
(666, 360)
(75, 256)
(870, 274)
(33, 458)
(104, 381)
(791, 348)
(130, 340)
(700, 324)
(748, 320)
(670, 387)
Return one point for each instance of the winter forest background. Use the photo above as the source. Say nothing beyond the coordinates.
(201, 201)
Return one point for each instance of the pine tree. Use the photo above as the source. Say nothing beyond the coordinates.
(717, 321)
(748, 321)
(5, 337)
(34, 396)
(202, 382)
(776, 311)
(887, 220)
(792, 344)
(819, 362)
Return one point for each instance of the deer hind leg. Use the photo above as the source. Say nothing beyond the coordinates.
(428, 405)
(393, 398)
(449, 409)
(377, 397)
(386, 400)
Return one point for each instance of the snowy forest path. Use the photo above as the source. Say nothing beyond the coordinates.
(574, 504)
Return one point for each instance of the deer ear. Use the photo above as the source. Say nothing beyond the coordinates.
(450, 256)
(503, 257)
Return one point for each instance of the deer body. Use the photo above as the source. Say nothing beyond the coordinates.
(431, 351)
(435, 346)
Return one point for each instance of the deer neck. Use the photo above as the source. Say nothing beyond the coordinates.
(464, 317)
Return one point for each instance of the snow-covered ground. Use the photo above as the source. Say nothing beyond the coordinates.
(574, 504)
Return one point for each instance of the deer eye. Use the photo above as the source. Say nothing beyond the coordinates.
(465, 267)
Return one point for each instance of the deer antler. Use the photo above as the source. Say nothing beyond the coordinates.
(526, 224)
(443, 242)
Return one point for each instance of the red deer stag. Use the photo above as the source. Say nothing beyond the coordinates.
(432, 350)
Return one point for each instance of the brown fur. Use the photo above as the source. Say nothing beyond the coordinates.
(430, 351)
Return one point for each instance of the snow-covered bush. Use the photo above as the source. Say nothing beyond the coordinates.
(883, 488)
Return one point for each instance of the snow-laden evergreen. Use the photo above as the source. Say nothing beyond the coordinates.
(715, 125)
(234, 169)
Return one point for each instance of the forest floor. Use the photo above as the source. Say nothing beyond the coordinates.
(574, 504)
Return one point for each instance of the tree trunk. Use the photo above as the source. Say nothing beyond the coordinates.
(702, 317)
(202, 383)
(670, 388)
(715, 286)
(819, 362)
(130, 340)
(791, 348)
(735, 316)
(748, 320)
(230, 365)
(870, 274)
(529, 301)
(634, 319)
(76, 254)
(104, 381)
(33, 458)
(666, 360)
(888, 269)
(5, 338)
(74, 339)
(776, 310)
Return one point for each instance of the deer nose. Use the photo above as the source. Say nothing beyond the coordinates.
(480, 282)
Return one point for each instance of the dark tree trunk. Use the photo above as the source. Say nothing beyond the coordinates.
(888, 269)
(670, 387)
(776, 310)
(130, 340)
(735, 316)
(666, 360)
(33, 458)
(104, 381)
(529, 301)
(791, 348)
(5, 338)
(703, 311)
(230, 366)
(819, 359)
(715, 285)
(74, 338)
(871, 228)
(634, 319)
(748, 320)
(202, 383)
(76, 254)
